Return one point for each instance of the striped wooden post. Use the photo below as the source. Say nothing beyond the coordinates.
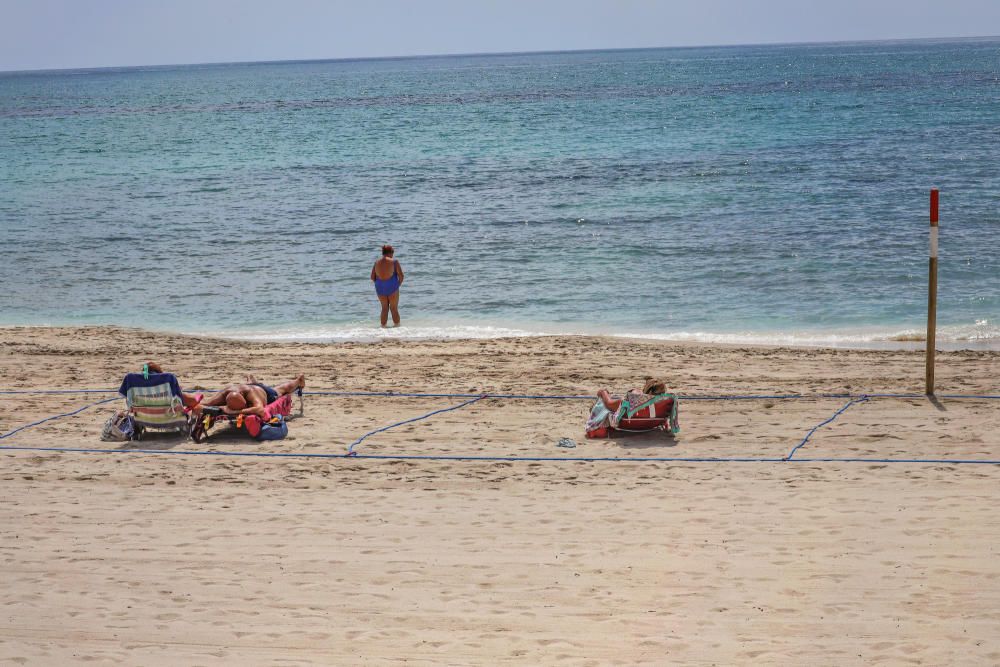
(932, 293)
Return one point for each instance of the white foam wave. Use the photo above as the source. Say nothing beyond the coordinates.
(981, 335)
(365, 333)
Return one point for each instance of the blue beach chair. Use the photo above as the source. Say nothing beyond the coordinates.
(154, 402)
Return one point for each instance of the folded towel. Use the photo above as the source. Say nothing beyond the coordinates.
(282, 406)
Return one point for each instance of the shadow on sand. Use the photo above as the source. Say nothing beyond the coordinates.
(651, 440)
(220, 437)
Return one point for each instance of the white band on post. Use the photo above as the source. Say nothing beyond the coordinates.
(934, 241)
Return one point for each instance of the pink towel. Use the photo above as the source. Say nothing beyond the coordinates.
(282, 406)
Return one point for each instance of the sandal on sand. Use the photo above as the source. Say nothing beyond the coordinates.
(568, 443)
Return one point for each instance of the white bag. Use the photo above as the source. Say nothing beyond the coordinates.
(118, 428)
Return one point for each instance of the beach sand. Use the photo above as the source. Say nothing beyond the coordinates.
(165, 560)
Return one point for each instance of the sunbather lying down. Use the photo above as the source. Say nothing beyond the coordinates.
(250, 397)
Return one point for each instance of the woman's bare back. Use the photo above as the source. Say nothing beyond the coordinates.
(384, 268)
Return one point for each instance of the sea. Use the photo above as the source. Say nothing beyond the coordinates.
(741, 194)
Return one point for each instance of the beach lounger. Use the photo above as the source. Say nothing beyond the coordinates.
(271, 427)
(154, 402)
(659, 413)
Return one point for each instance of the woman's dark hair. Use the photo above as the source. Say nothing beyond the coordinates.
(387, 250)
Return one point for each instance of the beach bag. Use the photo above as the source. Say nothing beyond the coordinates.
(118, 428)
(276, 429)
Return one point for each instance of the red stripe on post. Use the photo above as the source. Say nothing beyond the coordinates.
(934, 207)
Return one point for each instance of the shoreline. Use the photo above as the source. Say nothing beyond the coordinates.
(904, 341)
(543, 362)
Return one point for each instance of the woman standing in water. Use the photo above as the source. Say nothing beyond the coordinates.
(387, 275)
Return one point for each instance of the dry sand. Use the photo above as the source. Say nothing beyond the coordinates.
(158, 559)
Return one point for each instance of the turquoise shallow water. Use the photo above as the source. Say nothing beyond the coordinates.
(765, 194)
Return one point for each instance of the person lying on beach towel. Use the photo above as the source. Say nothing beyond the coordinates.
(250, 397)
(609, 411)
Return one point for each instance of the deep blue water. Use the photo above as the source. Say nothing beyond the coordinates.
(740, 193)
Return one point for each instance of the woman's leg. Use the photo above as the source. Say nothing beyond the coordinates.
(384, 317)
(394, 306)
(611, 404)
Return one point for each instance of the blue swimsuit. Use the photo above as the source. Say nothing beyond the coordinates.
(390, 285)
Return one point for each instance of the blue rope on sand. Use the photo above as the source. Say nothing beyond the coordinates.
(48, 419)
(475, 398)
(862, 399)
(60, 391)
(551, 459)
(350, 450)
(392, 394)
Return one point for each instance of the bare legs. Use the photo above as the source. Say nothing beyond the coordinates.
(389, 303)
(291, 385)
(284, 387)
(394, 307)
(384, 317)
(611, 404)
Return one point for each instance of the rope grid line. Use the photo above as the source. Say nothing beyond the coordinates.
(48, 419)
(551, 459)
(350, 449)
(392, 394)
(862, 398)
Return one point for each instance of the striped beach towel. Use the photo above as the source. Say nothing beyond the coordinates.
(154, 400)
